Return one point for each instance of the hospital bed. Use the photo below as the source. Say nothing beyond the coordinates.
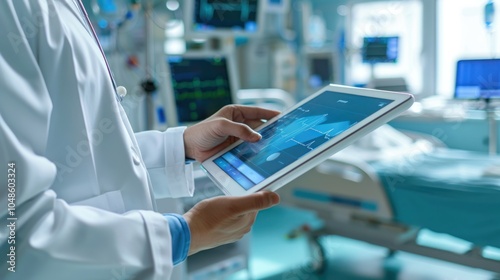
(388, 188)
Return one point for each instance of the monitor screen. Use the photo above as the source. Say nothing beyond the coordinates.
(478, 79)
(380, 49)
(230, 16)
(201, 86)
(320, 71)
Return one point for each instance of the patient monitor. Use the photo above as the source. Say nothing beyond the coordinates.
(199, 85)
(224, 18)
(477, 79)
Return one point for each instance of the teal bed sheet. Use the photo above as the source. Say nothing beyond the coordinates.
(447, 191)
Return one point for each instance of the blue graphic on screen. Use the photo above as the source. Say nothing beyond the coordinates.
(380, 49)
(238, 15)
(296, 134)
(478, 79)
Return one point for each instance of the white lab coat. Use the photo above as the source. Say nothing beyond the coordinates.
(85, 185)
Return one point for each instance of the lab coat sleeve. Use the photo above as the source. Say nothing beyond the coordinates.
(51, 239)
(163, 154)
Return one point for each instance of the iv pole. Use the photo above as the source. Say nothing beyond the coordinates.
(148, 85)
(489, 16)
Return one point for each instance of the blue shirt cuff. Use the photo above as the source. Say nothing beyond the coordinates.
(181, 237)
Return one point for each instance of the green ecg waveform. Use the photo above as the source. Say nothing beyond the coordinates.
(197, 83)
(198, 94)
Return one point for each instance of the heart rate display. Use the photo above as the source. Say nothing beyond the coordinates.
(201, 86)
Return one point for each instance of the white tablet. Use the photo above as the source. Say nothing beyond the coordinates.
(302, 137)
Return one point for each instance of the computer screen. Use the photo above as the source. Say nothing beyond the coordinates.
(321, 66)
(320, 70)
(477, 79)
(201, 85)
(224, 17)
(380, 49)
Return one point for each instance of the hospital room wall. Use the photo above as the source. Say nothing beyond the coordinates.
(469, 133)
(476, 130)
(263, 54)
(259, 71)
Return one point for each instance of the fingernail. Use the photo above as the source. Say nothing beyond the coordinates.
(273, 198)
(257, 136)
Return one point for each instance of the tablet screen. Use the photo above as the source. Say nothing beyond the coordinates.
(295, 135)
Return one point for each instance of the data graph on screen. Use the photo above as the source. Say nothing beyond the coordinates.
(296, 134)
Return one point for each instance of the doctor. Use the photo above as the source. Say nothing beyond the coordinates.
(77, 185)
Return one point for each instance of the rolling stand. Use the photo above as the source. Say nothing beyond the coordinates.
(492, 125)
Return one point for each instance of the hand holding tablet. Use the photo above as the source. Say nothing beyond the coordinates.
(302, 137)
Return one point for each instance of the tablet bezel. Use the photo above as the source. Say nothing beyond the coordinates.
(401, 102)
